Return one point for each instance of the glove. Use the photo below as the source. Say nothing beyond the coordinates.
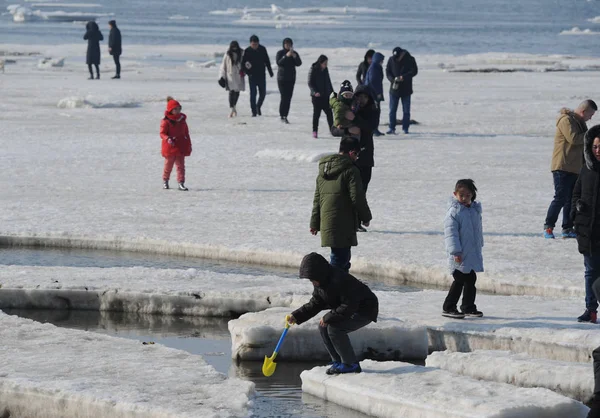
(171, 141)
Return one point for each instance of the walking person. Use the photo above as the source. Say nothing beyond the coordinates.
(320, 87)
(340, 204)
(566, 164)
(374, 80)
(114, 46)
(366, 119)
(287, 61)
(585, 212)
(400, 70)
(254, 63)
(463, 234)
(176, 143)
(352, 305)
(232, 76)
(361, 73)
(93, 36)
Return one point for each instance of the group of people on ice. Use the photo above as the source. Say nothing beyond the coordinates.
(93, 36)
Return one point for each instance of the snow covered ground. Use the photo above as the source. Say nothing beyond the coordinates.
(574, 380)
(53, 372)
(395, 389)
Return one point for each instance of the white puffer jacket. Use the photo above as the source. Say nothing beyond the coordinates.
(231, 72)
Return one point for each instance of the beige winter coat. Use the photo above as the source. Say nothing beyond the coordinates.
(231, 72)
(568, 142)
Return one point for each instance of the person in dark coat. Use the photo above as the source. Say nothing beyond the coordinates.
(585, 213)
(340, 204)
(320, 87)
(400, 70)
(351, 303)
(374, 80)
(366, 119)
(254, 62)
(93, 36)
(114, 46)
(287, 61)
(361, 73)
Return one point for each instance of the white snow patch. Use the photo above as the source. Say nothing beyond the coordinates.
(179, 17)
(576, 31)
(575, 380)
(292, 155)
(395, 389)
(206, 64)
(49, 372)
(67, 5)
(254, 336)
(51, 63)
(75, 102)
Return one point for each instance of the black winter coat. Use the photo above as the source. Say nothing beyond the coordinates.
(255, 62)
(287, 66)
(114, 41)
(407, 68)
(361, 73)
(319, 82)
(366, 119)
(585, 206)
(339, 291)
(93, 36)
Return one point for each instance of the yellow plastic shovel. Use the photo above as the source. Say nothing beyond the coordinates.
(269, 365)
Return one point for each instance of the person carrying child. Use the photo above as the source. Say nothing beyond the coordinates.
(463, 234)
(176, 142)
(341, 104)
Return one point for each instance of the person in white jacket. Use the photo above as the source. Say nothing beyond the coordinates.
(232, 76)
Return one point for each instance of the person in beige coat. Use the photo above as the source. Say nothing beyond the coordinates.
(567, 159)
(232, 76)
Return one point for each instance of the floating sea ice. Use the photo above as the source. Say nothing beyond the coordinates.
(51, 62)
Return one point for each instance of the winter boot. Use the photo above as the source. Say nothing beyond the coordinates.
(349, 368)
(166, 184)
(569, 233)
(588, 316)
(453, 313)
(334, 368)
(315, 135)
(549, 233)
(182, 187)
(116, 77)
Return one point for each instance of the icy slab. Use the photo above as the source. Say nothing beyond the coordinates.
(147, 290)
(254, 336)
(293, 155)
(577, 31)
(49, 372)
(396, 389)
(575, 380)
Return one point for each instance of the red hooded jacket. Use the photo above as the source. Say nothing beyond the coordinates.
(177, 129)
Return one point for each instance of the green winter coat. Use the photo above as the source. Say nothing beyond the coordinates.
(340, 203)
(339, 107)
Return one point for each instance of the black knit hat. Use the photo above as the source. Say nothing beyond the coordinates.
(346, 86)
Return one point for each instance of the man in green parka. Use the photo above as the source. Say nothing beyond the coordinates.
(340, 204)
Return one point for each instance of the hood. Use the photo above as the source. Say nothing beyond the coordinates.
(590, 161)
(455, 204)
(378, 58)
(113, 23)
(315, 267)
(287, 40)
(365, 89)
(332, 166)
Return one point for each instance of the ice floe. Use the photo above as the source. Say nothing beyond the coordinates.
(577, 31)
(292, 155)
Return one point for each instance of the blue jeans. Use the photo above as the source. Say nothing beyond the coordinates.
(564, 183)
(592, 271)
(340, 258)
(405, 111)
(261, 84)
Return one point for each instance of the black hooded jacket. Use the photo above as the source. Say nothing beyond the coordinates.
(287, 65)
(585, 206)
(255, 61)
(361, 73)
(93, 36)
(365, 118)
(406, 67)
(319, 81)
(114, 40)
(338, 291)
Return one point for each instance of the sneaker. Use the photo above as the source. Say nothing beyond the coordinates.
(182, 187)
(166, 184)
(549, 233)
(453, 314)
(569, 233)
(391, 132)
(315, 134)
(334, 368)
(588, 316)
(473, 312)
(361, 229)
(349, 368)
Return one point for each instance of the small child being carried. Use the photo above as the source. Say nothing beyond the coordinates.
(341, 104)
(463, 234)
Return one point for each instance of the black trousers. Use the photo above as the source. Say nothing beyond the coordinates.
(97, 70)
(286, 89)
(117, 59)
(465, 284)
(233, 98)
(321, 104)
(365, 176)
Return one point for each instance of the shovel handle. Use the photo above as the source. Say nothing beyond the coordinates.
(283, 334)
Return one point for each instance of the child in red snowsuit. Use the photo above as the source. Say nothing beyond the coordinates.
(176, 142)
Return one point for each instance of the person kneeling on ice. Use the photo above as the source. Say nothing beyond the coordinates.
(464, 240)
(352, 305)
(176, 142)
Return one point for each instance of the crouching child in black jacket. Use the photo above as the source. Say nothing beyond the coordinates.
(352, 306)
